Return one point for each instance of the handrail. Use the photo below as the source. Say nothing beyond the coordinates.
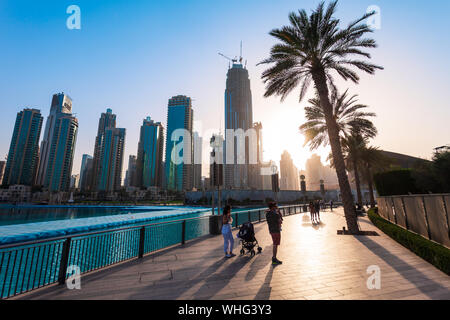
(86, 234)
(33, 264)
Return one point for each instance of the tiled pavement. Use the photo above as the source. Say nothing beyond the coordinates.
(317, 264)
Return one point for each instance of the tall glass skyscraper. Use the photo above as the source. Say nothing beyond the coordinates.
(111, 160)
(179, 116)
(61, 152)
(61, 106)
(107, 120)
(150, 154)
(85, 172)
(238, 115)
(23, 156)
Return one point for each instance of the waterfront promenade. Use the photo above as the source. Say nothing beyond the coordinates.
(317, 264)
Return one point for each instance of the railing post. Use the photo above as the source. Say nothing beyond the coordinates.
(64, 261)
(183, 232)
(446, 208)
(141, 242)
(426, 218)
(236, 219)
(406, 215)
(249, 217)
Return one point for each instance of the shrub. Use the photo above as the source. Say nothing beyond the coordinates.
(395, 182)
(434, 253)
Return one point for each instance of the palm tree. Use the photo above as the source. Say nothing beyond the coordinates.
(353, 147)
(353, 124)
(372, 159)
(311, 48)
(349, 118)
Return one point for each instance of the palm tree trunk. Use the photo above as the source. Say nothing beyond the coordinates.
(370, 183)
(357, 182)
(320, 82)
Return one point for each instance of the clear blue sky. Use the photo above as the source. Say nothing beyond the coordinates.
(132, 56)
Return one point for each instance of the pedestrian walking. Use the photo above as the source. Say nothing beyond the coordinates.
(312, 211)
(317, 210)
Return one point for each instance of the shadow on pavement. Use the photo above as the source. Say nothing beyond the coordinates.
(417, 278)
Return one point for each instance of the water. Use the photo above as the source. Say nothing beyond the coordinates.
(10, 215)
(27, 223)
(27, 267)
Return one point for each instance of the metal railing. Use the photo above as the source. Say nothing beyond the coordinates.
(427, 215)
(31, 265)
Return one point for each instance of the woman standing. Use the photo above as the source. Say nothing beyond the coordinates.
(228, 241)
(312, 211)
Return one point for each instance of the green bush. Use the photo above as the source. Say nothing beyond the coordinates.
(395, 182)
(434, 253)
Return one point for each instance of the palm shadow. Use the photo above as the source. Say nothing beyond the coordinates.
(417, 278)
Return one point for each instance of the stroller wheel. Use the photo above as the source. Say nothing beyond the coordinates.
(242, 252)
(259, 249)
(252, 253)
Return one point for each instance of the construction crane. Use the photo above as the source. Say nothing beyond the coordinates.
(235, 60)
(232, 60)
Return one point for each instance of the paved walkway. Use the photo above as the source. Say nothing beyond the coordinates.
(318, 264)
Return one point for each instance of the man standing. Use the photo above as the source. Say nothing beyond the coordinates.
(274, 222)
(317, 209)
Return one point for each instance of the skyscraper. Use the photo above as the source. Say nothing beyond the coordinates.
(23, 156)
(197, 161)
(61, 106)
(61, 151)
(289, 177)
(179, 144)
(254, 177)
(238, 115)
(150, 154)
(111, 160)
(107, 120)
(85, 174)
(130, 177)
(2, 170)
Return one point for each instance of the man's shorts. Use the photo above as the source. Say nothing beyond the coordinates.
(276, 238)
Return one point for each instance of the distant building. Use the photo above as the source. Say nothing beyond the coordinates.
(62, 149)
(130, 177)
(402, 160)
(217, 143)
(86, 172)
(238, 115)
(23, 156)
(2, 170)
(61, 106)
(107, 120)
(255, 179)
(16, 194)
(180, 115)
(268, 167)
(289, 178)
(111, 160)
(316, 171)
(150, 154)
(74, 181)
(197, 165)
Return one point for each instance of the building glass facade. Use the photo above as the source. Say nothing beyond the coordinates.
(23, 156)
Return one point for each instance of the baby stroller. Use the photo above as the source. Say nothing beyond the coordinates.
(247, 235)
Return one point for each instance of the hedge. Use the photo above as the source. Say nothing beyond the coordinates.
(395, 182)
(434, 253)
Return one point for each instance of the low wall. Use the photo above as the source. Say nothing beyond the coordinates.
(427, 215)
(260, 195)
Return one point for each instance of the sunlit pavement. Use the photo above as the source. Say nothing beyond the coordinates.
(317, 264)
